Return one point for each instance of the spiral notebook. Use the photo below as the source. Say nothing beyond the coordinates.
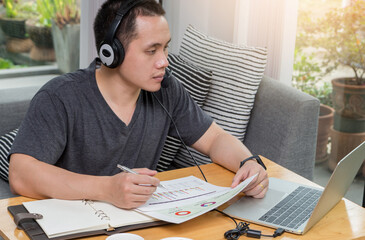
(63, 219)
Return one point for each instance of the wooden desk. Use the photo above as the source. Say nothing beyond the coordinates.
(345, 221)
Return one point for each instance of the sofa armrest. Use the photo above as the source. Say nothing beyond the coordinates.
(14, 103)
(5, 191)
(283, 126)
(14, 113)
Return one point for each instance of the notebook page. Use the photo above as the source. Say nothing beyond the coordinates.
(120, 217)
(64, 217)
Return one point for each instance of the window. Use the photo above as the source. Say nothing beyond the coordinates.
(38, 37)
(329, 64)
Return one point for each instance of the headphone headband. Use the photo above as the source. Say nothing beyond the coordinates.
(111, 51)
(123, 10)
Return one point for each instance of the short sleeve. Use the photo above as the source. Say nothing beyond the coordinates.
(42, 133)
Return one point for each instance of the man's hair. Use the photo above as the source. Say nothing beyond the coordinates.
(127, 28)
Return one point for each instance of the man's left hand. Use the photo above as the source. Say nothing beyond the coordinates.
(259, 185)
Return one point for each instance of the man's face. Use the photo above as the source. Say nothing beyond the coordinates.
(146, 56)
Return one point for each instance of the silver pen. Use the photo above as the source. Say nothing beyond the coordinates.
(128, 170)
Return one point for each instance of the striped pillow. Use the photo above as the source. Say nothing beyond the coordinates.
(6, 142)
(196, 81)
(237, 72)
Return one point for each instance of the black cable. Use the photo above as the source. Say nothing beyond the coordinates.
(227, 215)
(236, 233)
(242, 228)
(180, 138)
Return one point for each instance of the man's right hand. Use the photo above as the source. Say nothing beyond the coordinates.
(128, 190)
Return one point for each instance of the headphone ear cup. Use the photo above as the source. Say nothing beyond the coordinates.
(112, 55)
(106, 54)
(118, 53)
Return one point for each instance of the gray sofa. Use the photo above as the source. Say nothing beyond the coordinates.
(283, 124)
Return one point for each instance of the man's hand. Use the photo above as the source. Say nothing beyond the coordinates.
(227, 151)
(259, 185)
(128, 190)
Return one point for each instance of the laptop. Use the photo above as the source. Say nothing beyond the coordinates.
(296, 207)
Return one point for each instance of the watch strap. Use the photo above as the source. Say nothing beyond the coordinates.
(255, 157)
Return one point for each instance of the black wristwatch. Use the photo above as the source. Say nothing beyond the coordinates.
(257, 158)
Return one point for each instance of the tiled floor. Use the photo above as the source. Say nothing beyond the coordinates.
(355, 192)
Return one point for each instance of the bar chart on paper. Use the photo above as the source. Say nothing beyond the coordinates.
(180, 191)
(177, 195)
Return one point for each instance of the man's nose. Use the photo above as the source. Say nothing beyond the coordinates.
(162, 62)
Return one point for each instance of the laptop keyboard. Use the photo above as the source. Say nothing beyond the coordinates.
(294, 209)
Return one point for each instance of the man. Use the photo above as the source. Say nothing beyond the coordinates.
(81, 125)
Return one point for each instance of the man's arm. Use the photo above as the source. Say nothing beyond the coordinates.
(33, 178)
(227, 151)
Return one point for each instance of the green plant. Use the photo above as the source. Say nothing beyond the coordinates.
(341, 33)
(46, 10)
(66, 12)
(9, 5)
(307, 77)
(5, 64)
(61, 11)
(19, 9)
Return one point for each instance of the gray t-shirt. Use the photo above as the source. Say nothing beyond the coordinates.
(70, 125)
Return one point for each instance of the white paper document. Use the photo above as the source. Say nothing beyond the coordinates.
(187, 198)
(181, 191)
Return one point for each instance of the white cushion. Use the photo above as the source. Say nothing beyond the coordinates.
(6, 141)
(237, 72)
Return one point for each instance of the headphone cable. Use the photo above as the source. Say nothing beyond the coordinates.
(178, 134)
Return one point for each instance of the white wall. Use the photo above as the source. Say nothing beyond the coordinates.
(212, 17)
(89, 9)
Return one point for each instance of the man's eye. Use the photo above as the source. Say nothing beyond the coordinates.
(151, 51)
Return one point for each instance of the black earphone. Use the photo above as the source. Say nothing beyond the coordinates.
(111, 52)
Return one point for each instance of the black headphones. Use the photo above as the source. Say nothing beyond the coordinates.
(111, 51)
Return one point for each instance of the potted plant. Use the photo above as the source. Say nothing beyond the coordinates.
(12, 23)
(307, 77)
(39, 29)
(340, 35)
(66, 34)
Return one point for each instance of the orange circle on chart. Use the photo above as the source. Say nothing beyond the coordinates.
(182, 213)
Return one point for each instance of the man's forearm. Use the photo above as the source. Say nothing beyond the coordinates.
(228, 151)
(223, 148)
(36, 179)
